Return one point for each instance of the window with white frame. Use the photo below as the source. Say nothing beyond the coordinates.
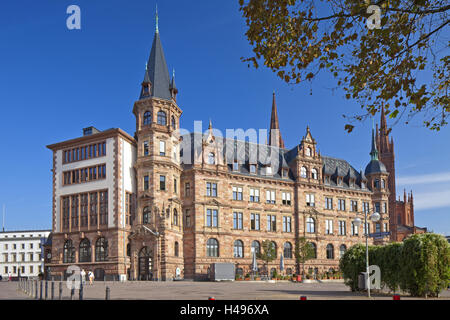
(355, 229)
(353, 205)
(162, 148)
(328, 226)
(328, 203)
(341, 205)
(314, 174)
(212, 218)
(235, 166)
(237, 193)
(303, 172)
(384, 207)
(366, 207)
(310, 202)
(254, 195)
(146, 148)
(211, 189)
(286, 198)
(254, 221)
(310, 225)
(270, 196)
(342, 228)
(253, 168)
(237, 220)
(211, 158)
(287, 224)
(271, 223)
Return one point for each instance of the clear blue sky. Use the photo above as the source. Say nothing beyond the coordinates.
(54, 82)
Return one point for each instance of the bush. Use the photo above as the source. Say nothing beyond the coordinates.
(425, 264)
(352, 263)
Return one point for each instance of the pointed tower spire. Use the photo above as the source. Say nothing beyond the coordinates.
(156, 19)
(157, 70)
(275, 138)
(173, 87)
(374, 151)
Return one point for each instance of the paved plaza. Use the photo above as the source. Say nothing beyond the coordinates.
(188, 290)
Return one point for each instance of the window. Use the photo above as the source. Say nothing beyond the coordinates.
(254, 221)
(175, 185)
(314, 249)
(303, 172)
(238, 249)
(211, 189)
(310, 225)
(287, 224)
(384, 207)
(287, 252)
(162, 183)
(308, 152)
(84, 209)
(342, 228)
(175, 217)
(366, 228)
(271, 223)
(237, 220)
(212, 248)
(253, 168)
(85, 251)
(176, 249)
(286, 198)
(353, 206)
(256, 247)
(101, 249)
(103, 195)
(328, 226)
(366, 207)
(342, 250)
(84, 174)
(68, 252)
(162, 148)
(376, 184)
(377, 227)
(146, 183)
(93, 212)
(328, 203)
(327, 179)
(355, 229)
(146, 215)
(187, 189)
(211, 218)
(254, 195)
(363, 185)
(237, 193)
(162, 118)
(145, 148)
(310, 200)
(383, 184)
(147, 118)
(235, 166)
(211, 158)
(270, 196)
(174, 123)
(341, 205)
(188, 218)
(274, 246)
(330, 251)
(285, 173)
(385, 229)
(314, 174)
(74, 211)
(85, 152)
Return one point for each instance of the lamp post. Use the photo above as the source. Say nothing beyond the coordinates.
(357, 222)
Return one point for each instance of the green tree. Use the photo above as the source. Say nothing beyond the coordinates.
(297, 39)
(303, 252)
(267, 254)
(352, 263)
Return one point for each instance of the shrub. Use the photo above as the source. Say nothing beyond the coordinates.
(352, 263)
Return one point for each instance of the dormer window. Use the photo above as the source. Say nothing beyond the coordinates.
(253, 168)
(351, 183)
(268, 170)
(363, 185)
(235, 166)
(339, 181)
(314, 174)
(284, 173)
(303, 172)
(327, 179)
(211, 158)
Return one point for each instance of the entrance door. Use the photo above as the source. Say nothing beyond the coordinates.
(145, 264)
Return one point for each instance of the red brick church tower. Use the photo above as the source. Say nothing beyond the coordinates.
(401, 213)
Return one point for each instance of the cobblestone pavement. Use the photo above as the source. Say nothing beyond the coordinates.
(188, 290)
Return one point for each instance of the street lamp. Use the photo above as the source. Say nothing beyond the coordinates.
(357, 222)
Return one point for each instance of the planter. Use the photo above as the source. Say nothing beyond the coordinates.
(299, 278)
(247, 279)
(257, 279)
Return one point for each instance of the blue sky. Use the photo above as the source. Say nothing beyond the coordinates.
(55, 81)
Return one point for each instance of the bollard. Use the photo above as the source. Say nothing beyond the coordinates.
(53, 291)
(107, 294)
(36, 290)
(60, 290)
(46, 289)
(396, 297)
(40, 290)
(211, 298)
(303, 298)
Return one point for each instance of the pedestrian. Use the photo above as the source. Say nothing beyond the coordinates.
(83, 276)
(91, 277)
(9, 276)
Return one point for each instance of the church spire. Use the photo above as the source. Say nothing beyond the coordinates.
(157, 71)
(374, 151)
(156, 19)
(275, 138)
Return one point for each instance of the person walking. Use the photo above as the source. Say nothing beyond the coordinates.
(91, 277)
(9, 276)
(83, 276)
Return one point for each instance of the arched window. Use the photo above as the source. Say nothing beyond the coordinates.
(330, 251)
(146, 215)
(211, 158)
(147, 117)
(212, 248)
(314, 174)
(288, 250)
(162, 118)
(176, 249)
(175, 217)
(85, 251)
(308, 152)
(256, 246)
(174, 123)
(238, 249)
(314, 248)
(101, 249)
(303, 172)
(342, 250)
(310, 225)
(69, 252)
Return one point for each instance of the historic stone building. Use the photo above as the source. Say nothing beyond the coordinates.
(162, 205)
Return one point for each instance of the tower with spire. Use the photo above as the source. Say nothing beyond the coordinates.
(275, 138)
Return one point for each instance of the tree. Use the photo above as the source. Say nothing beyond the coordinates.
(375, 66)
(303, 252)
(268, 253)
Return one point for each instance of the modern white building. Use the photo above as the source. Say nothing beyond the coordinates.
(21, 253)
